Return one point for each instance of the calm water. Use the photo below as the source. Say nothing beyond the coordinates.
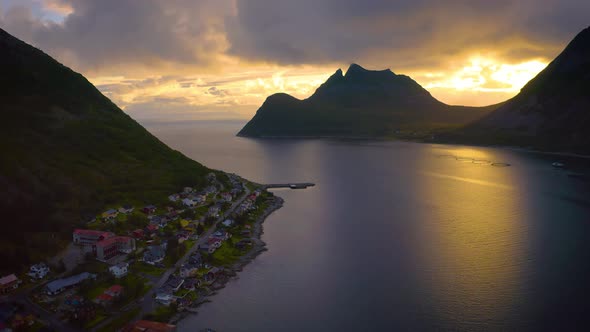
(398, 236)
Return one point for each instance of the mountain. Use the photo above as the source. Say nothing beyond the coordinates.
(551, 112)
(68, 152)
(367, 103)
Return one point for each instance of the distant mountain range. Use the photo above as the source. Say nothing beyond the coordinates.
(551, 112)
(67, 152)
(360, 103)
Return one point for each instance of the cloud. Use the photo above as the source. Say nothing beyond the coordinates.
(109, 35)
(401, 34)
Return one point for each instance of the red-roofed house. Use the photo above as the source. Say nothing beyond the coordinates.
(138, 233)
(114, 290)
(114, 246)
(90, 237)
(9, 283)
(104, 299)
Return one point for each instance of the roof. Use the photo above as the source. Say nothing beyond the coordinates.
(67, 282)
(104, 297)
(114, 289)
(92, 232)
(110, 211)
(8, 279)
(111, 240)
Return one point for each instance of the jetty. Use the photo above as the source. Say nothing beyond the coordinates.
(289, 185)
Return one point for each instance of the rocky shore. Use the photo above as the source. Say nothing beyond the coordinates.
(231, 272)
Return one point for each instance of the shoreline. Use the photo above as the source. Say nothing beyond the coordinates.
(231, 273)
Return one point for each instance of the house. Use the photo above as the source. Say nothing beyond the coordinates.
(173, 284)
(9, 283)
(154, 254)
(207, 248)
(189, 202)
(212, 274)
(59, 285)
(211, 177)
(187, 190)
(191, 283)
(227, 223)
(151, 228)
(160, 221)
(165, 298)
(38, 271)
(110, 214)
(214, 211)
(174, 197)
(114, 246)
(126, 209)
(119, 270)
(222, 235)
(149, 209)
(195, 259)
(104, 299)
(149, 326)
(188, 270)
(172, 215)
(226, 196)
(90, 237)
(214, 242)
(114, 291)
(138, 234)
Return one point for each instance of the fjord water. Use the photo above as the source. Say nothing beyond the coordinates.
(401, 236)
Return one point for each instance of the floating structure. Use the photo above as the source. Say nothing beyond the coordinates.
(289, 185)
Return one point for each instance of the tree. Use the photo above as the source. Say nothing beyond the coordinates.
(200, 229)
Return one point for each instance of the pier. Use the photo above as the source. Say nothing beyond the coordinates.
(289, 185)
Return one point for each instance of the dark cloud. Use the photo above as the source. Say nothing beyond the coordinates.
(400, 33)
(104, 33)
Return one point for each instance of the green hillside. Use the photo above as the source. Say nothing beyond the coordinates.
(68, 152)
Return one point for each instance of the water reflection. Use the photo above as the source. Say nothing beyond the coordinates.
(474, 256)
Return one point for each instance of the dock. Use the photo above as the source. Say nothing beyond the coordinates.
(289, 185)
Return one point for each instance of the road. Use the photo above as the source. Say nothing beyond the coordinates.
(148, 301)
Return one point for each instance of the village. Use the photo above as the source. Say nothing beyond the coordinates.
(142, 267)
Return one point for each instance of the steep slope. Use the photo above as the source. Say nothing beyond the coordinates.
(359, 103)
(552, 111)
(67, 152)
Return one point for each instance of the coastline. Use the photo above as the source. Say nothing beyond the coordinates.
(231, 273)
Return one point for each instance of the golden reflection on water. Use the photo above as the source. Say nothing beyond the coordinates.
(474, 238)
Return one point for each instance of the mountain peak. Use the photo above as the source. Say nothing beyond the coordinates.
(356, 70)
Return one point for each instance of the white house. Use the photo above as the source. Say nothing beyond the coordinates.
(227, 222)
(189, 202)
(119, 270)
(38, 271)
(174, 197)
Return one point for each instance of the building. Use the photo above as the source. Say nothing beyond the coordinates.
(126, 209)
(39, 271)
(114, 291)
(189, 202)
(114, 246)
(90, 237)
(59, 285)
(149, 326)
(154, 254)
(110, 214)
(174, 197)
(226, 196)
(188, 270)
(9, 283)
(149, 209)
(227, 222)
(120, 270)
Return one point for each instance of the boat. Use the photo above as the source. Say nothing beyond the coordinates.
(558, 164)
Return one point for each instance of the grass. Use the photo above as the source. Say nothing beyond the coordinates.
(97, 320)
(141, 267)
(226, 254)
(161, 314)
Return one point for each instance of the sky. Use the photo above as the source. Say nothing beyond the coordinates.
(170, 60)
